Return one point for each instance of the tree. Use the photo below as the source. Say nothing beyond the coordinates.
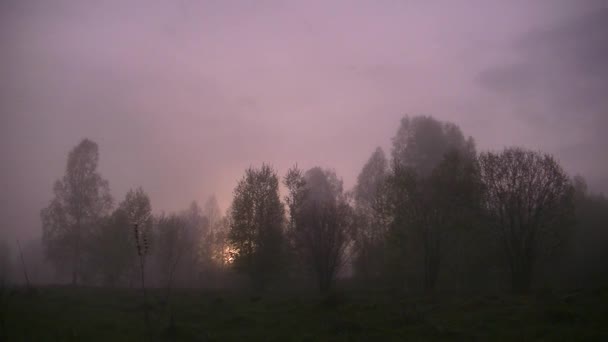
(114, 245)
(452, 207)
(169, 248)
(529, 201)
(321, 222)
(256, 230)
(214, 248)
(197, 243)
(82, 197)
(433, 182)
(588, 248)
(371, 217)
(112, 248)
(213, 241)
(422, 141)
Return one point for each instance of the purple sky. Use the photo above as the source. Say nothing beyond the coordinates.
(183, 95)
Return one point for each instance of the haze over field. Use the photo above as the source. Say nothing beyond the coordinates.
(182, 96)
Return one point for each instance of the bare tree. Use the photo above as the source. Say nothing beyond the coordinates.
(321, 222)
(528, 198)
(82, 197)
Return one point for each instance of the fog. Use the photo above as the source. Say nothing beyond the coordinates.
(182, 96)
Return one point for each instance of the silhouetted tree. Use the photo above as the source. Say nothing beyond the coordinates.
(589, 244)
(197, 244)
(221, 245)
(529, 200)
(422, 141)
(170, 238)
(453, 208)
(321, 222)
(82, 197)
(434, 183)
(112, 249)
(214, 248)
(371, 217)
(256, 226)
(113, 246)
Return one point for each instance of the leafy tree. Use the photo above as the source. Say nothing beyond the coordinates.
(138, 208)
(452, 205)
(422, 141)
(434, 187)
(256, 225)
(114, 245)
(321, 222)
(82, 197)
(371, 211)
(529, 199)
(111, 248)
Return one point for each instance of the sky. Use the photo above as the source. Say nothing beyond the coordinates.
(182, 96)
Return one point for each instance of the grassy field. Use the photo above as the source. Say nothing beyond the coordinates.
(90, 314)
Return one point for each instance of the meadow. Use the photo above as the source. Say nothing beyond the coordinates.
(99, 314)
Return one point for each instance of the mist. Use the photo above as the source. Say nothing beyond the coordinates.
(181, 96)
(329, 170)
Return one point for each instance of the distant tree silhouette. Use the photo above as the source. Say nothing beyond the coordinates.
(82, 197)
(170, 238)
(434, 182)
(257, 219)
(214, 247)
(196, 247)
(422, 141)
(529, 199)
(112, 249)
(371, 217)
(321, 222)
(588, 248)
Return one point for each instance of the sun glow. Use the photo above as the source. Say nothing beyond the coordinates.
(228, 255)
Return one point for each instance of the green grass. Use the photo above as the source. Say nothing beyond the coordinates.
(90, 314)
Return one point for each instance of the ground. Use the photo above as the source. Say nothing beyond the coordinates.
(93, 314)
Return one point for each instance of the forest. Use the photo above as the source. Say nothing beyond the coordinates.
(435, 235)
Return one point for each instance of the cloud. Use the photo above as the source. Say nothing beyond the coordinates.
(559, 83)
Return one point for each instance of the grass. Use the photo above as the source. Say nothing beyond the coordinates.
(93, 314)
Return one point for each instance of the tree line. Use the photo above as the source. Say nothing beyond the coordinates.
(434, 214)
